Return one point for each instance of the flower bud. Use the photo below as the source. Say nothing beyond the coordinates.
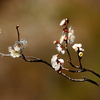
(80, 54)
(64, 22)
(55, 42)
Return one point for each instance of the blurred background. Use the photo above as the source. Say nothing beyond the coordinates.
(39, 25)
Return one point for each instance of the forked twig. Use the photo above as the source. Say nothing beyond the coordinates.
(80, 80)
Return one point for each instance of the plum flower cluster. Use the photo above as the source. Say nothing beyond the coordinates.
(66, 38)
(67, 34)
(17, 49)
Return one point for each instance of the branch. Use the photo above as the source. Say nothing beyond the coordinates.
(35, 59)
(57, 63)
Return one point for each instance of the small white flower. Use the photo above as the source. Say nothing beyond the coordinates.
(16, 51)
(18, 46)
(54, 58)
(64, 22)
(60, 48)
(13, 53)
(76, 46)
(71, 36)
(56, 66)
(56, 62)
(24, 42)
(71, 30)
(61, 61)
(62, 38)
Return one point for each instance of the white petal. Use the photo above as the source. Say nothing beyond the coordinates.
(62, 38)
(17, 47)
(63, 22)
(77, 45)
(61, 61)
(56, 66)
(71, 39)
(59, 48)
(71, 30)
(81, 49)
(54, 58)
(63, 51)
(15, 54)
(24, 42)
(10, 49)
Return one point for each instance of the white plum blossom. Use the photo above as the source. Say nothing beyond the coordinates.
(77, 46)
(64, 22)
(71, 36)
(62, 38)
(16, 50)
(54, 58)
(24, 42)
(18, 46)
(14, 53)
(59, 47)
(56, 66)
(61, 61)
(56, 62)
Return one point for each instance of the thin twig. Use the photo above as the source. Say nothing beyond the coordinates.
(91, 81)
(4, 55)
(73, 65)
(79, 58)
(80, 80)
(73, 71)
(75, 80)
(35, 60)
(18, 32)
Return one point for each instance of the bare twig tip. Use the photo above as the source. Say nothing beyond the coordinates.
(17, 26)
